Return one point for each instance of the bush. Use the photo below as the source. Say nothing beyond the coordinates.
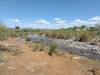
(37, 47)
(2, 60)
(27, 39)
(52, 49)
(83, 37)
(41, 48)
(14, 50)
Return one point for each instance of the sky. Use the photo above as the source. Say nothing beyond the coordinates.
(49, 13)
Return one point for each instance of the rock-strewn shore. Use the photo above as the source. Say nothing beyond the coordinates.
(82, 48)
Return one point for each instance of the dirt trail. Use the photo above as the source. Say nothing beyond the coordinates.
(39, 63)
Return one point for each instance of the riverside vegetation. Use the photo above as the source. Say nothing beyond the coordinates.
(81, 34)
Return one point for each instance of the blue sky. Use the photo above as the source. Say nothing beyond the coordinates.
(48, 13)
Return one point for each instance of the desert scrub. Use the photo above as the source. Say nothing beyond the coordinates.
(52, 49)
(14, 50)
(42, 48)
(34, 46)
(82, 36)
(37, 47)
(27, 39)
(2, 58)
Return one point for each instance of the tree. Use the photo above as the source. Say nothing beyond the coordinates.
(17, 27)
(83, 26)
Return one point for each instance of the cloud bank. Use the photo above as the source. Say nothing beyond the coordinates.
(57, 23)
(41, 22)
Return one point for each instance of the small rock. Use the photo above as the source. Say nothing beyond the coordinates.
(11, 68)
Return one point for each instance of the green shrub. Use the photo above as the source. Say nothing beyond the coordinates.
(83, 38)
(52, 49)
(37, 47)
(27, 39)
(2, 60)
(41, 47)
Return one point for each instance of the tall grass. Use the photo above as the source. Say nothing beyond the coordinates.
(77, 34)
(82, 34)
(52, 49)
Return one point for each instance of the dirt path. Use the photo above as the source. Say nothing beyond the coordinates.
(39, 63)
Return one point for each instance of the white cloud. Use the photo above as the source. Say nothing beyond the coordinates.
(60, 21)
(57, 19)
(42, 22)
(57, 23)
(96, 18)
(79, 22)
(89, 22)
(14, 20)
(94, 21)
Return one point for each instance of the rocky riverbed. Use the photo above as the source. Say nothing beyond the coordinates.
(90, 50)
(81, 48)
